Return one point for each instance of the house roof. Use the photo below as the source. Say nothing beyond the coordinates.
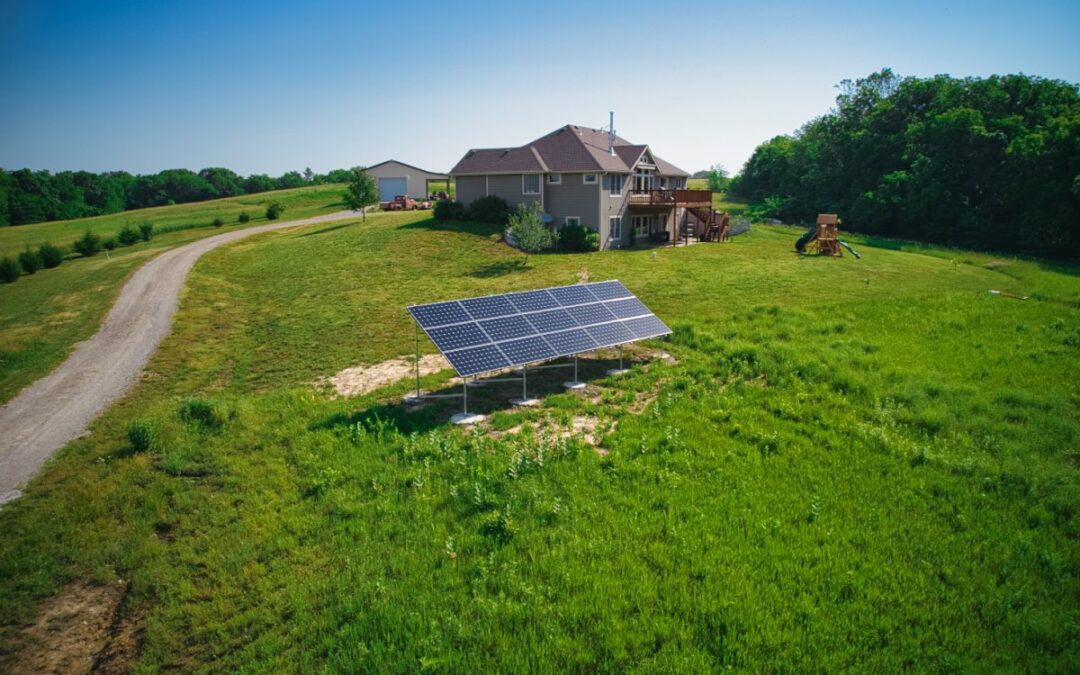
(416, 168)
(567, 149)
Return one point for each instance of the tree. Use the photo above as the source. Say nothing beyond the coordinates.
(290, 179)
(226, 182)
(309, 175)
(529, 230)
(361, 191)
(718, 178)
(259, 182)
(274, 210)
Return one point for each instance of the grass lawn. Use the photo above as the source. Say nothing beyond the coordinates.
(42, 316)
(851, 465)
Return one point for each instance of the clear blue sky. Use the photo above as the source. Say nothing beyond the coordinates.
(272, 86)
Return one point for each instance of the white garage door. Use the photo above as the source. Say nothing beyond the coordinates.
(390, 188)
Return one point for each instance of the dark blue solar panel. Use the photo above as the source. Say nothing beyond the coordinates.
(477, 360)
(507, 327)
(485, 308)
(456, 337)
(528, 350)
(609, 290)
(609, 334)
(590, 314)
(572, 295)
(625, 309)
(439, 314)
(551, 321)
(647, 327)
(532, 301)
(571, 341)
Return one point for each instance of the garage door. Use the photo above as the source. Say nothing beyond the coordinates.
(390, 188)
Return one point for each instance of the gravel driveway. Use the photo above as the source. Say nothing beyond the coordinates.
(59, 407)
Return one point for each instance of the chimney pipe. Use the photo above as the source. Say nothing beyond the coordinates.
(611, 133)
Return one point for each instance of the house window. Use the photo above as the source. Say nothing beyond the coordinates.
(616, 183)
(530, 184)
(615, 228)
(588, 178)
(572, 220)
(642, 225)
(554, 179)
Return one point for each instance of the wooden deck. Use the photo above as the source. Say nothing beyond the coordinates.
(671, 198)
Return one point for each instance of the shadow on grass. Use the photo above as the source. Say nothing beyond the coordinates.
(485, 399)
(498, 269)
(479, 229)
(331, 228)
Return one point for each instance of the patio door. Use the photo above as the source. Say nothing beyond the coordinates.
(642, 225)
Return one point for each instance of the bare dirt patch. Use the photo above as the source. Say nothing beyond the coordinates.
(363, 379)
(76, 631)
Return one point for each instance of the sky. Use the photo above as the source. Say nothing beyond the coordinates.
(269, 87)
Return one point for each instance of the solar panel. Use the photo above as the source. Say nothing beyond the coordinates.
(485, 308)
(551, 320)
(627, 308)
(572, 295)
(488, 333)
(610, 333)
(507, 328)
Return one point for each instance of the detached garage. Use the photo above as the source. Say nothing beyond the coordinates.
(398, 178)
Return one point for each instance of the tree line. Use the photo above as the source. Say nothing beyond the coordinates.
(987, 163)
(35, 196)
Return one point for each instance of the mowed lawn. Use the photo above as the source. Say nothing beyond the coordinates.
(851, 465)
(43, 315)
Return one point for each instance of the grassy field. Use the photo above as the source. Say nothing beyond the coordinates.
(850, 465)
(42, 316)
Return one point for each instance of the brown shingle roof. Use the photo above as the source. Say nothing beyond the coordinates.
(567, 149)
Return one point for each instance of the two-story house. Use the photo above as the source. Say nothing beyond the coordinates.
(586, 176)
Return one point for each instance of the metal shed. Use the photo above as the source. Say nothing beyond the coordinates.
(398, 178)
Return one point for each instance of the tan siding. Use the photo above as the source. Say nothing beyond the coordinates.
(573, 198)
(509, 188)
(615, 206)
(469, 188)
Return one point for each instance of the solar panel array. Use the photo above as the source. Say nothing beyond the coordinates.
(479, 335)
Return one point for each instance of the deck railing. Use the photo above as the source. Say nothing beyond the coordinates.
(670, 198)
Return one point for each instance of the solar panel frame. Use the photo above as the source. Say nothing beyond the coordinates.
(492, 332)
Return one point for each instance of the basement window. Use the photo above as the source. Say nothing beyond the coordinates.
(572, 221)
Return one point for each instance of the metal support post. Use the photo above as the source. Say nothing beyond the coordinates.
(525, 400)
(575, 383)
(620, 370)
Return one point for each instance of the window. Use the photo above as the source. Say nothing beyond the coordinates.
(615, 228)
(572, 220)
(530, 184)
(616, 180)
(554, 179)
(588, 178)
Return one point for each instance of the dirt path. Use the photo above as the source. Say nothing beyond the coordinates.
(59, 407)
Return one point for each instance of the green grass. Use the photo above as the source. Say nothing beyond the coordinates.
(720, 199)
(42, 316)
(854, 465)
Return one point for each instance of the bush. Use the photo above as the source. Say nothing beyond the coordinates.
(200, 412)
(109, 244)
(274, 210)
(9, 270)
(50, 255)
(578, 238)
(29, 261)
(141, 436)
(529, 230)
(448, 210)
(243, 217)
(88, 244)
(146, 230)
(127, 235)
(218, 222)
(490, 209)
